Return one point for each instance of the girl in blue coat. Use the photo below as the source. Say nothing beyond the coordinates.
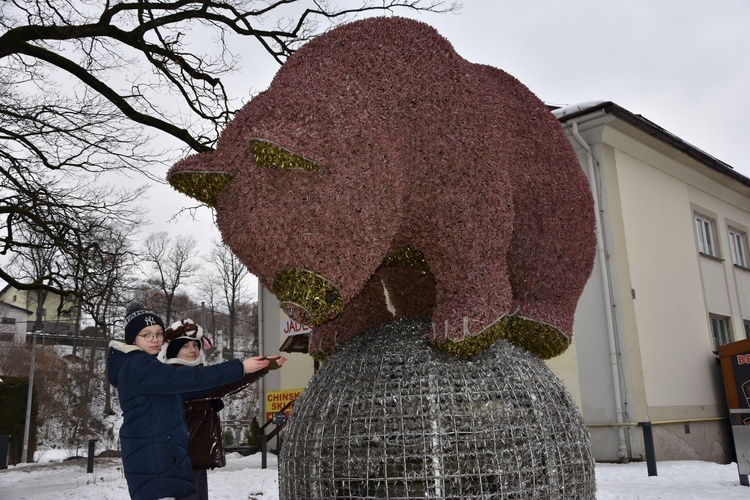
(154, 436)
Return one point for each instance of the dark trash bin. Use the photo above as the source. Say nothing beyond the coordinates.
(741, 433)
(4, 446)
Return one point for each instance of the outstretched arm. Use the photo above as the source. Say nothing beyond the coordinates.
(271, 363)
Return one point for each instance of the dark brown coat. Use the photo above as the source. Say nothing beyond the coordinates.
(206, 444)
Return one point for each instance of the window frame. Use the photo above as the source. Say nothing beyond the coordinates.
(717, 320)
(705, 228)
(738, 244)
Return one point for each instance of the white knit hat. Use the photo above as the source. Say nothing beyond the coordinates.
(177, 335)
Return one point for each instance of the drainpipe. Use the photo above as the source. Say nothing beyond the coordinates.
(261, 382)
(616, 376)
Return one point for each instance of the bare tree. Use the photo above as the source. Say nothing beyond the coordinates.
(46, 261)
(84, 83)
(49, 219)
(107, 279)
(209, 289)
(233, 282)
(173, 261)
(247, 317)
(108, 273)
(35, 265)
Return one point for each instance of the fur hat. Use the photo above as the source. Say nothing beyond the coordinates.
(137, 317)
(177, 335)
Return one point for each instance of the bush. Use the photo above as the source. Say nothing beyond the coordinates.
(251, 435)
(228, 438)
(14, 394)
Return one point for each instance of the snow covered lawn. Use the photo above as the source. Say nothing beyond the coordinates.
(243, 479)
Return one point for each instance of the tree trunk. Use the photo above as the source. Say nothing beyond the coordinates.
(77, 328)
(41, 296)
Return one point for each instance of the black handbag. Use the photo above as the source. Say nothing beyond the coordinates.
(206, 444)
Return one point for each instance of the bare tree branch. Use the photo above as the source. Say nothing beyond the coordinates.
(232, 276)
(173, 262)
(88, 86)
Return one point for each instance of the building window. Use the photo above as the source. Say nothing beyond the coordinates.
(747, 329)
(7, 321)
(739, 246)
(720, 330)
(706, 231)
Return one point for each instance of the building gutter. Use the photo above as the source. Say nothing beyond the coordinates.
(617, 378)
(261, 334)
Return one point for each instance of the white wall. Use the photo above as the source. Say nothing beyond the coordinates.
(675, 345)
(663, 291)
(18, 329)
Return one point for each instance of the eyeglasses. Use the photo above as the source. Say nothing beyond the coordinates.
(150, 336)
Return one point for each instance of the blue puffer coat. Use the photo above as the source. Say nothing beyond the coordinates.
(153, 436)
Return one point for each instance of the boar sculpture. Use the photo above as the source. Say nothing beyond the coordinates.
(383, 176)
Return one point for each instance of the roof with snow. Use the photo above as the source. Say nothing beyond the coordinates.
(608, 107)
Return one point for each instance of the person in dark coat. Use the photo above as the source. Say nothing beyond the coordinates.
(184, 345)
(153, 435)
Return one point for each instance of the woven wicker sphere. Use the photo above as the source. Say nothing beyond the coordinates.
(388, 416)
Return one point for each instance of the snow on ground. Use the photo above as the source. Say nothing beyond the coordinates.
(243, 479)
(684, 480)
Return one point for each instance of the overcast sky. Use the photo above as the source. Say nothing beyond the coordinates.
(683, 64)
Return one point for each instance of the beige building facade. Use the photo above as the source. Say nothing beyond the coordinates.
(670, 284)
(56, 318)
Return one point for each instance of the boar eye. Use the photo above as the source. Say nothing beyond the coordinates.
(269, 155)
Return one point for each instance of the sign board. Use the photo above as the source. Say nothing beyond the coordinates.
(291, 327)
(735, 369)
(276, 400)
(295, 335)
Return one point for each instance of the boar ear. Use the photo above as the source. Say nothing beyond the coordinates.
(194, 177)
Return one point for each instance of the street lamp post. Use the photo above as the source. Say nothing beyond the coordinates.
(27, 423)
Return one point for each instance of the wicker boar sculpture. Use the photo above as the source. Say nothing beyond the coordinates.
(383, 176)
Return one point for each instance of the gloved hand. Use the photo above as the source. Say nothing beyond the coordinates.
(275, 362)
(217, 405)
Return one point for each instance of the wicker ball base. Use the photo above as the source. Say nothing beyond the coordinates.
(388, 416)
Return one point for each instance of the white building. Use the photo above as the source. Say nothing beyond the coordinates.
(13, 320)
(671, 282)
